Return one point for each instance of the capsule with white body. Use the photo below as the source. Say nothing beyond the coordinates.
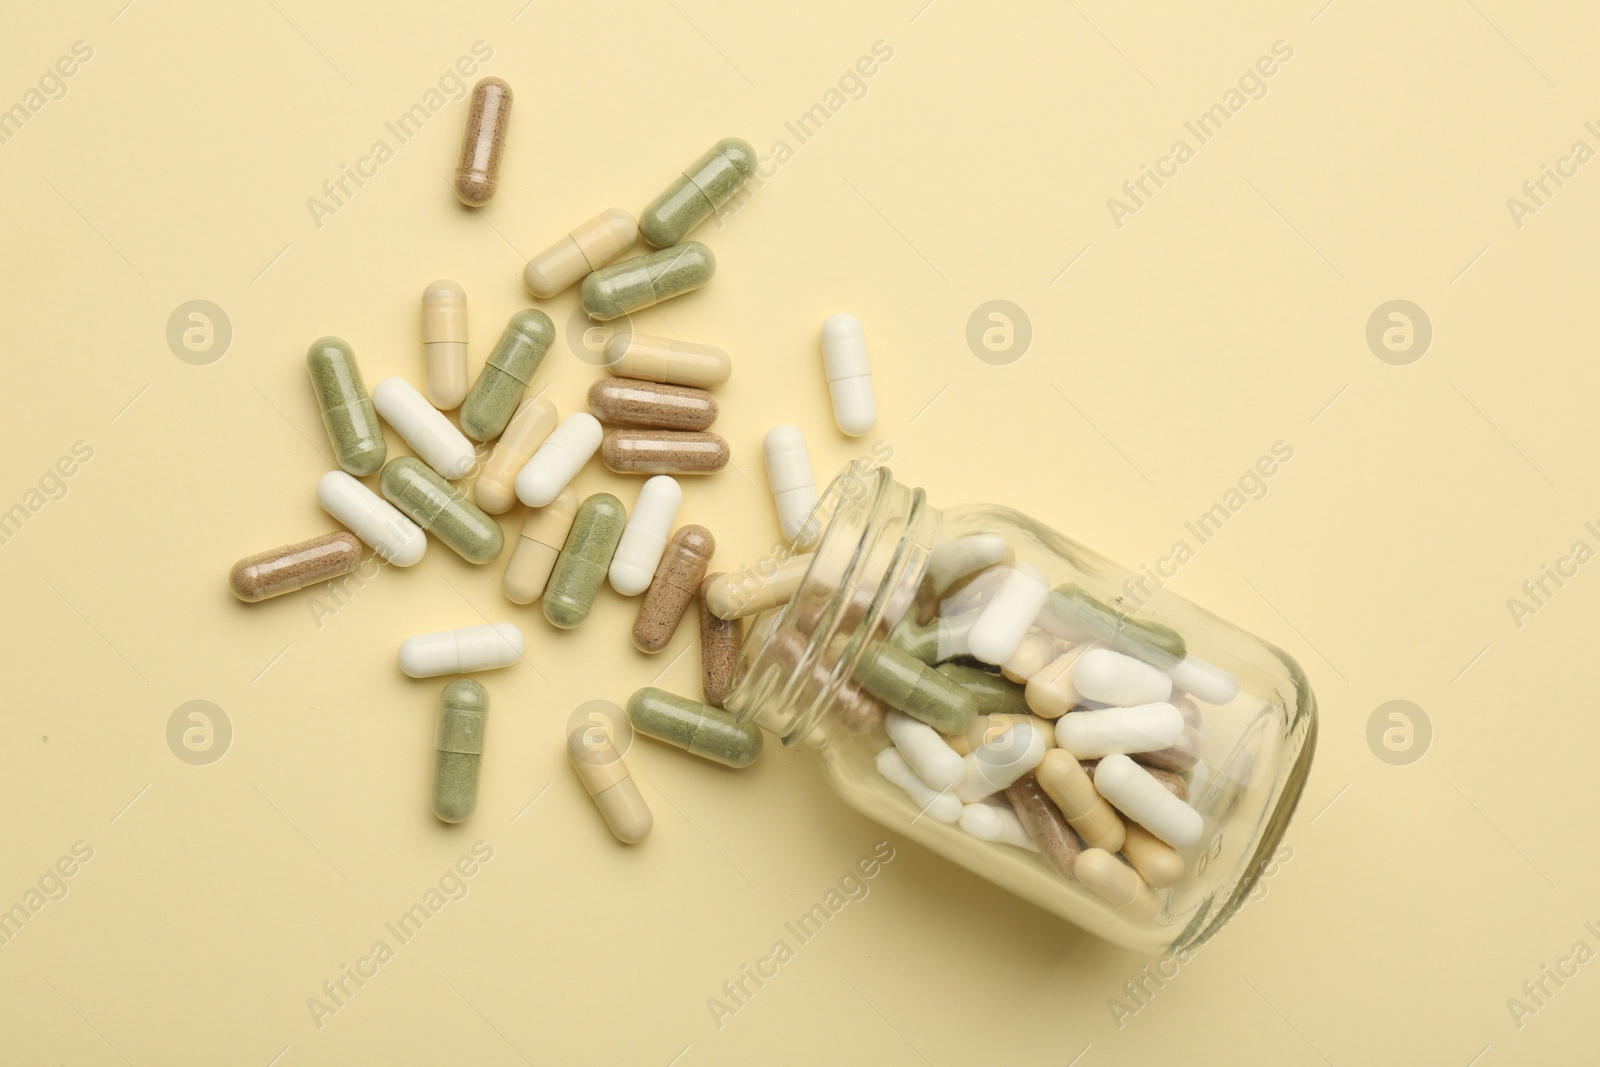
(645, 537)
(940, 806)
(495, 489)
(924, 750)
(794, 486)
(849, 372)
(534, 557)
(431, 436)
(559, 459)
(588, 248)
(461, 651)
(1107, 676)
(995, 764)
(1009, 613)
(1132, 791)
(1203, 681)
(992, 820)
(444, 342)
(371, 518)
(1144, 728)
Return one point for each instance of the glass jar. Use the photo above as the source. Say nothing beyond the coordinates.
(896, 590)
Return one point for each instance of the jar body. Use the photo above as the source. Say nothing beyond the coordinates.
(905, 607)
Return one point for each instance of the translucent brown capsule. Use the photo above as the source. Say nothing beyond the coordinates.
(488, 115)
(663, 452)
(674, 588)
(283, 570)
(651, 405)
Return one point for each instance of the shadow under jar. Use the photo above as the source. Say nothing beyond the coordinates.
(895, 587)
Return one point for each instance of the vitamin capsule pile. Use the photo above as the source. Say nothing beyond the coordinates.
(651, 415)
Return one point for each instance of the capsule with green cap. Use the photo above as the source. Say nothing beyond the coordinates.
(347, 410)
(711, 181)
(905, 682)
(626, 287)
(581, 567)
(991, 694)
(694, 727)
(441, 509)
(463, 713)
(1074, 614)
(506, 373)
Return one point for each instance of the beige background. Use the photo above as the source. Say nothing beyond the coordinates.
(1228, 313)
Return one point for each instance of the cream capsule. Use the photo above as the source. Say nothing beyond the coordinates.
(675, 586)
(1116, 882)
(794, 486)
(1086, 811)
(495, 489)
(488, 116)
(461, 651)
(1049, 690)
(651, 405)
(849, 373)
(283, 570)
(588, 248)
(1158, 862)
(741, 593)
(1045, 824)
(563, 454)
(606, 779)
(634, 562)
(534, 557)
(371, 518)
(663, 452)
(432, 436)
(661, 359)
(635, 284)
(444, 343)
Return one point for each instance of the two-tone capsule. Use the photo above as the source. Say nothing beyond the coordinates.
(580, 569)
(347, 411)
(694, 727)
(634, 402)
(674, 587)
(534, 557)
(444, 343)
(495, 489)
(506, 374)
(463, 714)
(291, 567)
(424, 428)
(707, 184)
(441, 509)
(488, 117)
(583, 251)
(635, 284)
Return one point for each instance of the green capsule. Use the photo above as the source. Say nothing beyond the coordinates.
(991, 694)
(700, 190)
(506, 373)
(637, 283)
(347, 410)
(902, 681)
(441, 509)
(694, 727)
(463, 714)
(933, 643)
(1150, 641)
(581, 567)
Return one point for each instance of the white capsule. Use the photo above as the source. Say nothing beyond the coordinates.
(994, 765)
(1132, 791)
(936, 805)
(1008, 615)
(559, 459)
(951, 561)
(849, 372)
(495, 489)
(794, 486)
(1109, 677)
(371, 518)
(925, 751)
(1203, 681)
(996, 822)
(461, 651)
(638, 554)
(1145, 728)
(431, 436)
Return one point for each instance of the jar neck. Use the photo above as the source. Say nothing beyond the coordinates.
(870, 546)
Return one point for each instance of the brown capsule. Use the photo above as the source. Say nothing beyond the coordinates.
(488, 115)
(1046, 825)
(291, 567)
(719, 649)
(663, 452)
(674, 587)
(651, 405)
